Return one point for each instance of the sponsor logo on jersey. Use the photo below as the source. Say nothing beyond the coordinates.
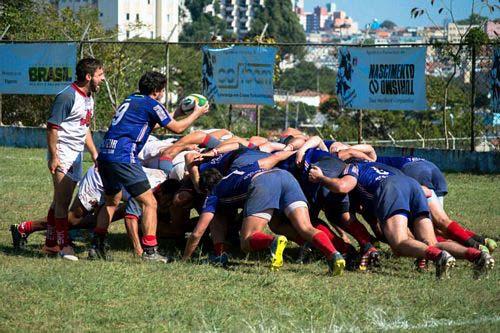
(161, 112)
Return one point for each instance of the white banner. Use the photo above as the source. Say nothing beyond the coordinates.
(41, 69)
(239, 74)
(382, 78)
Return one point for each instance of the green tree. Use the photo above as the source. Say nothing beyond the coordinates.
(204, 26)
(283, 24)
(306, 76)
(388, 24)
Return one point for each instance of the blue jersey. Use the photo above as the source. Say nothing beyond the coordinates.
(397, 162)
(331, 167)
(232, 189)
(233, 160)
(328, 143)
(130, 128)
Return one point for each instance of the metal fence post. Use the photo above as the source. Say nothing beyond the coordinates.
(452, 140)
(472, 98)
(421, 138)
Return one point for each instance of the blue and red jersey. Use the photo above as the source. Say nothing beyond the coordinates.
(130, 128)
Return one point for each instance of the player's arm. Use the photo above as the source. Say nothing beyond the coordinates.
(199, 230)
(367, 149)
(342, 185)
(270, 162)
(353, 153)
(179, 126)
(52, 137)
(89, 143)
(192, 161)
(222, 149)
(314, 142)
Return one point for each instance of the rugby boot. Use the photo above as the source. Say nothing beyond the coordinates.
(19, 239)
(370, 258)
(67, 253)
(483, 248)
(336, 265)
(277, 247)
(421, 264)
(218, 261)
(305, 253)
(99, 249)
(152, 254)
(50, 250)
(483, 265)
(490, 244)
(443, 265)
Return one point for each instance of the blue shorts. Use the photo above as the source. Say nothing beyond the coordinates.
(133, 208)
(274, 189)
(247, 157)
(116, 176)
(400, 194)
(428, 174)
(334, 205)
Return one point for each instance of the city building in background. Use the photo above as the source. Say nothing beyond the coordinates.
(145, 18)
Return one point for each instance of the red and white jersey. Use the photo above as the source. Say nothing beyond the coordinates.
(71, 114)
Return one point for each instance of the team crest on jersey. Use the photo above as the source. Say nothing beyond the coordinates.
(86, 121)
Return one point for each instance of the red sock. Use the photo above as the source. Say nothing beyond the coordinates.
(322, 243)
(359, 232)
(260, 241)
(472, 254)
(440, 239)
(149, 240)
(62, 228)
(469, 232)
(219, 248)
(458, 233)
(50, 238)
(432, 253)
(25, 227)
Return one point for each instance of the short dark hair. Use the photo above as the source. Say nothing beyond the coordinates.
(151, 82)
(87, 66)
(209, 179)
(170, 186)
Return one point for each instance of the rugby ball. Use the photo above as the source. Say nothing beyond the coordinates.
(188, 103)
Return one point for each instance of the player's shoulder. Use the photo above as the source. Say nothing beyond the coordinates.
(67, 94)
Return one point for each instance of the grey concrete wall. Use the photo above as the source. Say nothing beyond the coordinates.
(450, 160)
(446, 160)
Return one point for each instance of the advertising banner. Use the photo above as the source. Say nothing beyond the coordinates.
(381, 78)
(36, 69)
(239, 75)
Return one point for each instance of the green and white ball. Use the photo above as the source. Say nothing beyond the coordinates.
(189, 102)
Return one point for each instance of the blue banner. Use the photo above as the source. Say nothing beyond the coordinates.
(239, 74)
(382, 78)
(495, 81)
(36, 69)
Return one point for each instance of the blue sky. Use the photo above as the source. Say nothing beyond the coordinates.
(398, 11)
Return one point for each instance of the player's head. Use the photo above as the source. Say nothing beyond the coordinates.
(153, 84)
(90, 70)
(209, 179)
(167, 191)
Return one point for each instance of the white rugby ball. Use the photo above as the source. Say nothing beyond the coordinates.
(189, 102)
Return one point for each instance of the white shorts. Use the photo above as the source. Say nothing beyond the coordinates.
(223, 138)
(90, 190)
(155, 177)
(70, 162)
(150, 153)
(179, 165)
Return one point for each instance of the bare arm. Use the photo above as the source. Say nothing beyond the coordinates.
(192, 160)
(342, 185)
(314, 142)
(271, 161)
(89, 143)
(179, 126)
(52, 137)
(367, 149)
(133, 233)
(352, 153)
(199, 230)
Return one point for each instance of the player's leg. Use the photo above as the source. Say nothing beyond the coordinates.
(105, 215)
(149, 222)
(253, 239)
(21, 231)
(63, 192)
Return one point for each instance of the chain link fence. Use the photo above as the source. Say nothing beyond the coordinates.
(458, 94)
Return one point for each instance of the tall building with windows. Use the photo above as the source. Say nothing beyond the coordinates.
(239, 14)
(135, 18)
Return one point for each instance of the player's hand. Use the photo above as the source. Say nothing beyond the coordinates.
(338, 146)
(202, 109)
(53, 164)
(299, 157)
(315, 174)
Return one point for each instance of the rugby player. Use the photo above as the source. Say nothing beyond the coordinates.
(120, 167)
(398, 202)
(68, 133)
(428, 175)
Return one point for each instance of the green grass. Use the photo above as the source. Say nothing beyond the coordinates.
(38, 293)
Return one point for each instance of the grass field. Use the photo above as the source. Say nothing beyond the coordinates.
(45, 294)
